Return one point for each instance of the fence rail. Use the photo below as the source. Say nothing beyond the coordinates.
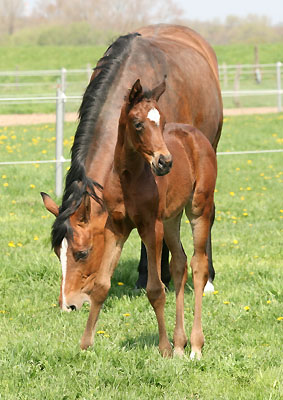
(62, 97)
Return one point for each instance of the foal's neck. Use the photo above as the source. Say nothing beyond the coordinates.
(126, 158)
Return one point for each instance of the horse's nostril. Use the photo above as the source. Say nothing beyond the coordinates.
(73, 308)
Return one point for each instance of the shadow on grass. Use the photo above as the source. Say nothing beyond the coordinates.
(140, 342)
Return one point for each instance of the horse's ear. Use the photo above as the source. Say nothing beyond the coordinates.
(83, 212)
(135, 93)
(158, 91)
(50, 204)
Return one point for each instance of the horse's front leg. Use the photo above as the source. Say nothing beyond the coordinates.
(152, 237)
(100, 283)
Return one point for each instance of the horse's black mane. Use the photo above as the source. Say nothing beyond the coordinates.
(77, 182)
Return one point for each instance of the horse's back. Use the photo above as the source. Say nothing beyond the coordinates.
(185, 36)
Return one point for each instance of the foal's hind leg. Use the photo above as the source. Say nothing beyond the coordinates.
(178, 269)
(211, 273)
(152, 237)
(200, 221)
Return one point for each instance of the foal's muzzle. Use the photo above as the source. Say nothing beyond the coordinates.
(162, 164)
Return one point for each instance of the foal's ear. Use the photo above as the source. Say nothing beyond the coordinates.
(158, 91)
(50, 204)
(83, 212)
(135, 93)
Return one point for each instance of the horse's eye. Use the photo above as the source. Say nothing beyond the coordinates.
(138, 126)
(81, 255)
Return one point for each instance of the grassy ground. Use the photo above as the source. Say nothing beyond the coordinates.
(242, 359)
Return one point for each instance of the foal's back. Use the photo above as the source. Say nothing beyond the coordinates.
(194, 166)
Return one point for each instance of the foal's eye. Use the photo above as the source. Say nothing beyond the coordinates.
(138, 126)
(81, 255)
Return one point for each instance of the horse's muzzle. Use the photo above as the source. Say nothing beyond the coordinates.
(162, 164)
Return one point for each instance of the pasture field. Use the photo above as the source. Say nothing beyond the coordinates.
(40, 356)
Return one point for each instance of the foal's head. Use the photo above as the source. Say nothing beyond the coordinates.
(143, 124)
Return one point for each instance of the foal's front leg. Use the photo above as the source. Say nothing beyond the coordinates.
(101, 281)
(152, 237)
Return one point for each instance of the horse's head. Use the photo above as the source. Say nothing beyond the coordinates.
(143, 123)
(78, 242)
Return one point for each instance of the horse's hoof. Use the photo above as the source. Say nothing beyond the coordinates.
(195, 355)
(166, 353)
(178, 352)
(209, 288)
(85, 344)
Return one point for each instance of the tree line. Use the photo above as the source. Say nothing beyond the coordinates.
(89, 22)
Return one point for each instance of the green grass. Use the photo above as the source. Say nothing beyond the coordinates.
(39, 345)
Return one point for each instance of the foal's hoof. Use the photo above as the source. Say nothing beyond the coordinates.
(86, 343)
(166, 353)
(195, 355)
(179, 352)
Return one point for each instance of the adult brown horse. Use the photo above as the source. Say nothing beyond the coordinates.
(193, 96)
(138, 195)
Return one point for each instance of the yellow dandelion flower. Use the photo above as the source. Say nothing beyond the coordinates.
(13, 201)
(203, 294)
(226, 302)
(120, 283)
(44, 152)
(187, 221)
(248, 188)
(4, 176)
(238, 169)
(263, 188)
(100, 332)
(106, 335)
(215, 292)
(126, 314)
(280, 319)
(215, 190)
(32, 186)
(235, 241)
(246, 308)
(19, 244)
(35, 237)
(268, 301)
(232, 193)
(245, 214)
(53, 305)
(11, 244)
(5, 184)
(242, 198)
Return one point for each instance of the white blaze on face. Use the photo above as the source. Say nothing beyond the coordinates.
(154, 116)
(63, 259)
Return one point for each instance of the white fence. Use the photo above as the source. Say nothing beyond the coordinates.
(227, 73)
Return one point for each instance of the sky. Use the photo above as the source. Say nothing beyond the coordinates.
(205, 10)
(209, 9)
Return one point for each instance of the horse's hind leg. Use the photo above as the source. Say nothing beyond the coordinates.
(142, 268)
(152, 238)
(178, 269)
(199, 217)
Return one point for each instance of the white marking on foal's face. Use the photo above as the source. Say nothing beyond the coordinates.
(63, 259)
(154, 116)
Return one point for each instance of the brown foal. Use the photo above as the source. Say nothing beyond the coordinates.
(158, 171)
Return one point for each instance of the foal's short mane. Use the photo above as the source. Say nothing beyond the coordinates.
(77, 182)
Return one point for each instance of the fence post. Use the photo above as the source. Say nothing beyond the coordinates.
(59, 141)
(278, 71)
